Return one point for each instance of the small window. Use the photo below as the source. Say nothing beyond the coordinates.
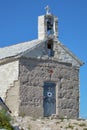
(50, 48)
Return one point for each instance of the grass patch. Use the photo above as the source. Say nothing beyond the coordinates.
(75, 123)
(29, 127)
(70, 126)
(62, 119)
(82, 124)
(84, 128)
(5, 120)
(22, 114)
(57, 122)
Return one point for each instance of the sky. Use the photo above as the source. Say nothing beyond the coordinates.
(19, 23)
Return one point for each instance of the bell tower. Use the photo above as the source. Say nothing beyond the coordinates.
(47, 26)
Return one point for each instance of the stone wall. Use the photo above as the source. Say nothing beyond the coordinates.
(52, 123)
(33, 74)
(8, 74)
(12, 98)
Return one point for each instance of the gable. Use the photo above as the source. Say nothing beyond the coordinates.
(38, 49)
(61, 53)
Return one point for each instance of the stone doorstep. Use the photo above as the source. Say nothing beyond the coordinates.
(2, 129)
(16, 128)
(46, 128)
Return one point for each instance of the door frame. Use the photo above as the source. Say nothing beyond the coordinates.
(55, 94)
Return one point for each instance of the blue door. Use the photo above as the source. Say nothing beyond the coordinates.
(49, 99)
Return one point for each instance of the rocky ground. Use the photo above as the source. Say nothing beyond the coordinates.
(28, 123)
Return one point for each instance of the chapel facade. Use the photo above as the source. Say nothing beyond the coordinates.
(40, 78)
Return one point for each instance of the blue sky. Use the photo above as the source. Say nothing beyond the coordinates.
(18, 23)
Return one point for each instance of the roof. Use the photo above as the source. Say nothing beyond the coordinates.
(17, 49)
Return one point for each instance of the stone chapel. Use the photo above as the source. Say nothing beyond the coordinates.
(40, 78)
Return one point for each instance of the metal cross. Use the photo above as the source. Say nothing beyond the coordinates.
(47, 8)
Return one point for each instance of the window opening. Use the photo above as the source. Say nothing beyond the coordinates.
(49, 26)
(50, 48)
